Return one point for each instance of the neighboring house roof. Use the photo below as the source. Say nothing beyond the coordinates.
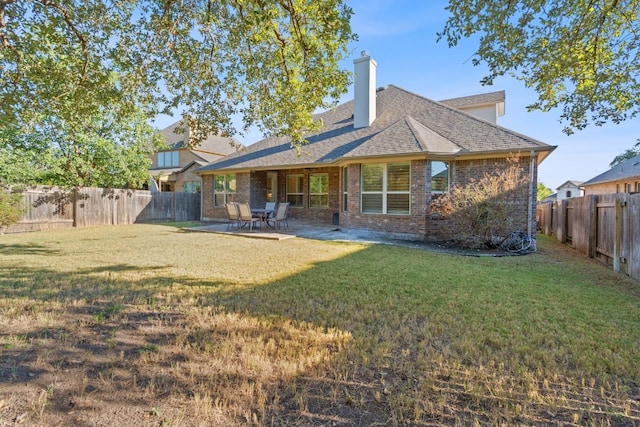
(213, 146)
(625, 170)
(570, 183)
(551, 198)
(414, 124)
(171, 171)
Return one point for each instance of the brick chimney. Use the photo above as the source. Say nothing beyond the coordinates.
(364, 102)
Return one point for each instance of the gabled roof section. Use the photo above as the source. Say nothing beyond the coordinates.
(476, 100)
(410, 137)
(406, 125)
(625, 170)
(570, 183)
(214, 144)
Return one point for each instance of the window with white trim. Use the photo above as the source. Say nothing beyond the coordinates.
(386, 188)
(295, 188)
(439, 177)
(319, 190)
(224, 189)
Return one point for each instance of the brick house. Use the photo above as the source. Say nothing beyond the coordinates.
(173, 169)
(378, 161)
(622, 178)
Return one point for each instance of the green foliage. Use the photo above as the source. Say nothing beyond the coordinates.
(580, 56)
(481, 213)
(66, 64)
(543, 191)
(97, 151)
(11, 207)
(628, 154)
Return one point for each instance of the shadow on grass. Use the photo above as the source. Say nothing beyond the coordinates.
(339, 343)
(30, 249)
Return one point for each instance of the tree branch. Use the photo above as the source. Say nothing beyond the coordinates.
(4, 41)
(81, 38)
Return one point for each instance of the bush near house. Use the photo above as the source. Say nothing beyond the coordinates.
(483, 210)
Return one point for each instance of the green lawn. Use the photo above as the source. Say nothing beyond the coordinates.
(155, 325)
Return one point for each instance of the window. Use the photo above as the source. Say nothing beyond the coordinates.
(439, 177)
(345, 188)
(568, 195)
(192, 186)
(386, 188)
(224, 189)
(168, 159)
(295, 195)
(319, 190)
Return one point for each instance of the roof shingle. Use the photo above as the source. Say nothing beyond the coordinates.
(406, 124)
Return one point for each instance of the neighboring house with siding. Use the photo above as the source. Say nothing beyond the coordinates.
(378, 161)
(173, 169)
(622, 178)
(569, 190)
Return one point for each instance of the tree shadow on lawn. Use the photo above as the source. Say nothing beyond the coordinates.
(331, 344)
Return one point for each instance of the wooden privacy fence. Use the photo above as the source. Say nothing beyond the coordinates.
(47, 207)
(604, 226)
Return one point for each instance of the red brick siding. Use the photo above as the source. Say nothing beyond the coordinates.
(464, 171)
(412, 225)
(252, 186)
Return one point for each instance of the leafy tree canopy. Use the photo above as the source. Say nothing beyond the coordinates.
(98, 152)
(66, 65)
(581, 56)
(628, 154)
(543, 191)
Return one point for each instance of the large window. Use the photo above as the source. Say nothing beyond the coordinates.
(386, 188)
(319, 190)
(295, 184)
(439, 177)
(224, 189)
(168, 159)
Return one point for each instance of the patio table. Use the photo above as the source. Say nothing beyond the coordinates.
(263, 214)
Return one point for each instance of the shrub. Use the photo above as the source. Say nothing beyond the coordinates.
(11, 208)
(481, 213)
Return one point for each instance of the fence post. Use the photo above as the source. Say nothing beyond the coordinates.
(617, 238)
(593, 225)
(74, 208)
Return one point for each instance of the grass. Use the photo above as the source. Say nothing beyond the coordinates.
(99, 325)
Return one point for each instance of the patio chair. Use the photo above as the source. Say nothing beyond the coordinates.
(281, 216)
(270, 206)
(244, 212)
(232, 216)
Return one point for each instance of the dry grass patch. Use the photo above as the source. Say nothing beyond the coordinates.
(151, 325)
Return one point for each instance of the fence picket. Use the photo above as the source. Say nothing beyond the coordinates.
(52, 207)
(605, 227)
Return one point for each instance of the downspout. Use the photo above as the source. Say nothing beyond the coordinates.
(530, 204)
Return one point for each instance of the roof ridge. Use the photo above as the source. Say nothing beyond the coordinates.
(472, 116)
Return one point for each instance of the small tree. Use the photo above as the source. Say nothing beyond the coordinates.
(11, 208)
(481, 213)
(543, 191)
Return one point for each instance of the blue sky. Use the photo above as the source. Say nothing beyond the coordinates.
(400, 35)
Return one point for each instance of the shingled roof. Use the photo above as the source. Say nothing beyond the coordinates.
(625, 170)
(209, 149)
(475, 100)
(406, 125)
